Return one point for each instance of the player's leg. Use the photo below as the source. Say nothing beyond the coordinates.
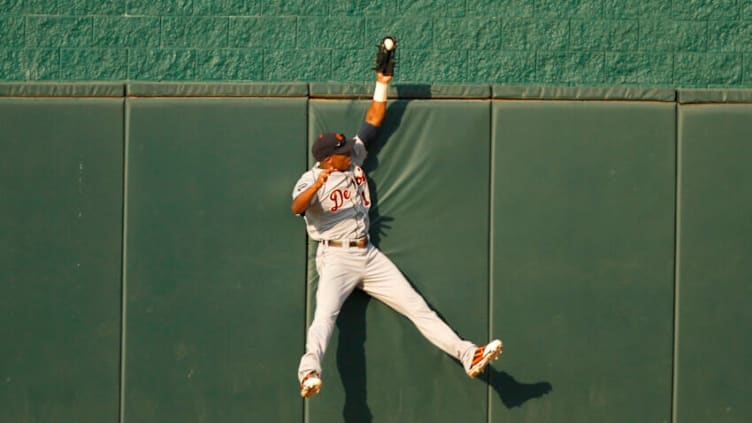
(338, 275)
(385, 282)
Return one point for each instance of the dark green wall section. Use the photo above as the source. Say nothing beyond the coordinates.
(715, 270)
(215, 262)
(151, 269)
(583, 250)
(60, 257)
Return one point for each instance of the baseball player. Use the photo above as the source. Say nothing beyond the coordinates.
(334, 199)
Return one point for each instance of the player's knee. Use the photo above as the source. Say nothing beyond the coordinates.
(325, 317)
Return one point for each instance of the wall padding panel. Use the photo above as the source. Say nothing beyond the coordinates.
(61, 164)
(215, 260)
(714, 250)
(583, 260)
(429, 178)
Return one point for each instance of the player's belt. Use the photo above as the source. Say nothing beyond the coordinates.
(360, 243)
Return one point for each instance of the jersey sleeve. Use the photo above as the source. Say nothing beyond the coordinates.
(305, 181)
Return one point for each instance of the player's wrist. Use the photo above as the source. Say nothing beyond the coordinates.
(380, 92)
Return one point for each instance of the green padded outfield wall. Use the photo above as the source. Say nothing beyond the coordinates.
(215, 263)
(714, 251)
(429, 176)
(61, 163)
(583, 259)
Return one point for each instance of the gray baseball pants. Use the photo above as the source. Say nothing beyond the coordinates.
(342, 269)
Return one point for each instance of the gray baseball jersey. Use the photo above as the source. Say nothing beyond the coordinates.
(339, 210)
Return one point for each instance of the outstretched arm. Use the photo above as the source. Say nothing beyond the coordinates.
(384, 70)
(377, 111)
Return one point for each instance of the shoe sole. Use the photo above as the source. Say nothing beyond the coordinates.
(481, 366)
(311, 389)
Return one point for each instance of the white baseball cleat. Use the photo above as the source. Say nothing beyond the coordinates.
(311, 385)
(483, 356)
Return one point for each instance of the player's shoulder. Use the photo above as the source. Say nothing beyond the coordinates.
(313, 172)
(306, 179)
(359, 151)
(308, 174)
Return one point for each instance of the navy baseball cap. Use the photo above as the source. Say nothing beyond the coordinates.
(330, 143)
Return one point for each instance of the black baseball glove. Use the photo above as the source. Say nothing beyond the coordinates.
(385, 56)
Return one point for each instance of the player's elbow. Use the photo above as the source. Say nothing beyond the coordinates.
(376, 113)
(374, 120)
(296, 208)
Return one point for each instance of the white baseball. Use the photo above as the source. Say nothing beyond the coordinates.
(388, 43)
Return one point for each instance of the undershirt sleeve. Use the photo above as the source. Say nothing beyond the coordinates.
(368, 133)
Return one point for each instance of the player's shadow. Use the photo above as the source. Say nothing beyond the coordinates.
(351, 357)
(512, 392)
(380, 224)
(351, 323)
(406, 93)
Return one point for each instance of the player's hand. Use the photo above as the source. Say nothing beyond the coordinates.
(380, 77)
(323, 176)
(385, 58)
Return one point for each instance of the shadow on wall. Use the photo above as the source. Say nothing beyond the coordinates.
(351, 363)
(380, 224)
(351, 356)
(513, 393)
